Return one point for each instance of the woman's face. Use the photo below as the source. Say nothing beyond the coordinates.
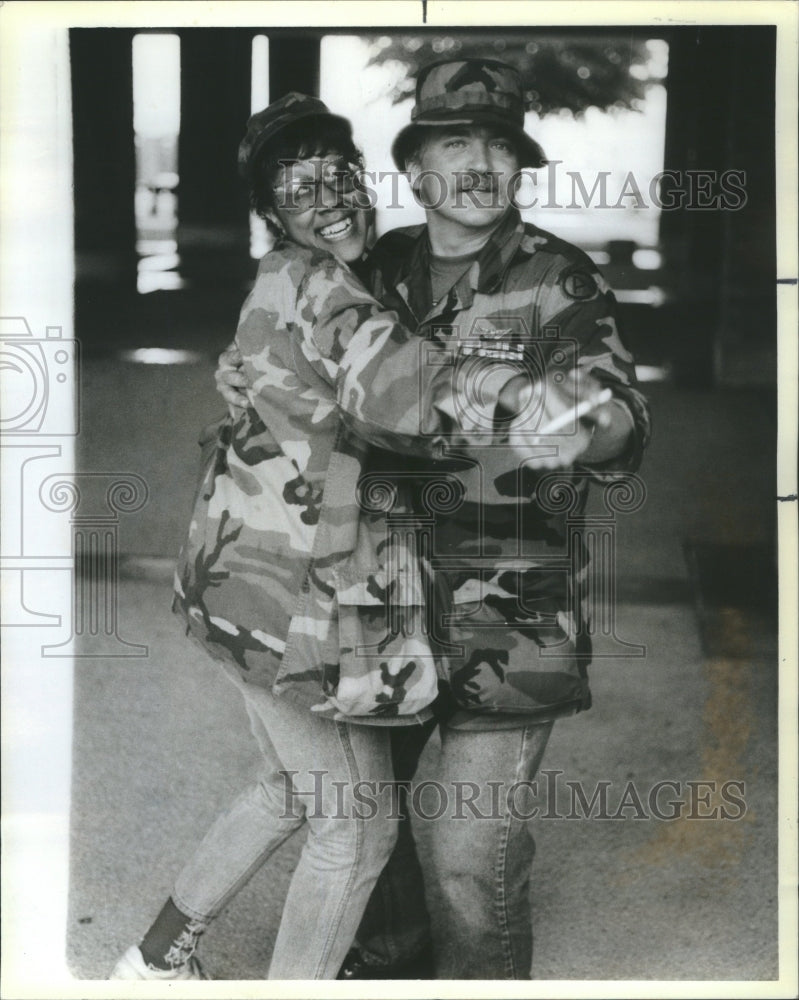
(318, 204)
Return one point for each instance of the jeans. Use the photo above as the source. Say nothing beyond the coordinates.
(481, 859)
(343, 855)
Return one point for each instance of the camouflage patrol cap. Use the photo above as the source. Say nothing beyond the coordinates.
(266, 124)
(469, 92)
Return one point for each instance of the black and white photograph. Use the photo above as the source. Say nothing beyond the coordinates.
(399, 468)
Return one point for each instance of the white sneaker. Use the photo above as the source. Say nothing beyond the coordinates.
(133, 966)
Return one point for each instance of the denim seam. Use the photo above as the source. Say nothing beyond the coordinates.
(352, 765)
(501, 901)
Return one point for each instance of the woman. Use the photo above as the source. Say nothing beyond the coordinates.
(288, 572)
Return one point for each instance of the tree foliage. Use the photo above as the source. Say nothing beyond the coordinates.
(559, 72)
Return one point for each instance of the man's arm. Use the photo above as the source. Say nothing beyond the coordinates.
(581, 305)
(597, 438)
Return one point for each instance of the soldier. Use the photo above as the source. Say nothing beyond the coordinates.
(516, 645)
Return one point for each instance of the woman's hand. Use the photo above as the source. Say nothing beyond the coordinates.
(230, 379)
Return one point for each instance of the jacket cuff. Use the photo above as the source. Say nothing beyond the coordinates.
(630, 459)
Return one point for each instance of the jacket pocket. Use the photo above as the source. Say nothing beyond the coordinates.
(379, 660)
(527, 666)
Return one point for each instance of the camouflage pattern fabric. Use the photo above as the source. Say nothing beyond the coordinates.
(511, 571)
(471, 84)
(265, 124)
(463, 92)
(284, 577)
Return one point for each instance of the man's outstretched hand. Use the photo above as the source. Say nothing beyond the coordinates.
(560, 421)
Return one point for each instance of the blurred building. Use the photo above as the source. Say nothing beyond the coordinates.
(162, 229)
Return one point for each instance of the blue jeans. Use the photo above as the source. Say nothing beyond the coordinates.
(343, 855)
(481, 859)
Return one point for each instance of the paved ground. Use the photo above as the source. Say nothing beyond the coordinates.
(161, 742)
(614, 898)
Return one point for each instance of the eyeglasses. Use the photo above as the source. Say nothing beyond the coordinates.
(298, 194)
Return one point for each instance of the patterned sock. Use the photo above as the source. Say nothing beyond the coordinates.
(171, 940)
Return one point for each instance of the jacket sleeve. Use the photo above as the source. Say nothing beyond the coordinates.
(580, 303)
(393, 388)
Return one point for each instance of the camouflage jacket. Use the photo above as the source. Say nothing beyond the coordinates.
(289, 572)
(513, 616)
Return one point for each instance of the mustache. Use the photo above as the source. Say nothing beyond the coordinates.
(473, 180)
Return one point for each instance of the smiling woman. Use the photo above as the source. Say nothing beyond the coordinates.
(261, 510)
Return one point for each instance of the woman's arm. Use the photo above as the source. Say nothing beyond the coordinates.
(397, 366)
(393, 388)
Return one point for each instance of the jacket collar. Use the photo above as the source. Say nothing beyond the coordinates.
(484, 276)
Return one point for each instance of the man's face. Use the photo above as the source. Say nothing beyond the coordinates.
(464, 174)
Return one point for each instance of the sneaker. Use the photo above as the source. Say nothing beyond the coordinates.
(133, 966)
(357, 966)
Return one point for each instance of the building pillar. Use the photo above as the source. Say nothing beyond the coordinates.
(213, 229)
(293, 64)
(104, 175)
(722, 254)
